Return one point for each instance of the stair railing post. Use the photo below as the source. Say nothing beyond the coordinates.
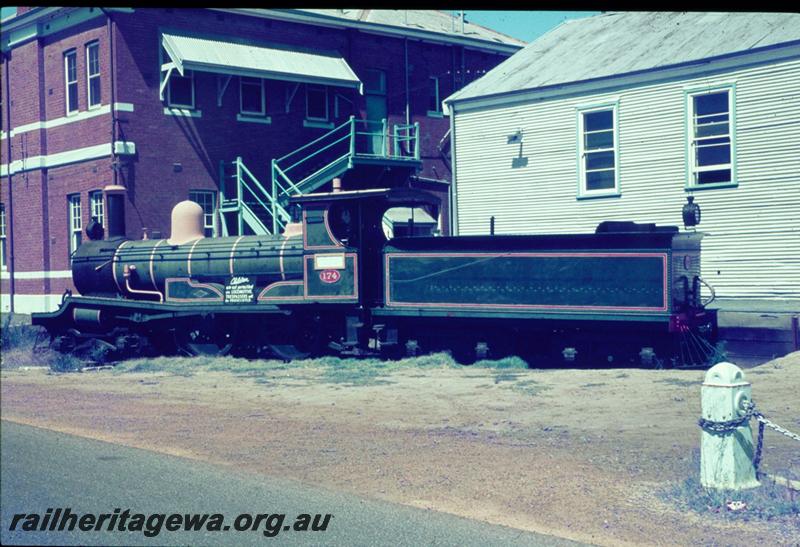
(274, 199)
(222, 180)
(352, 136)
(239, 196)
(416, 140)
(384, 135)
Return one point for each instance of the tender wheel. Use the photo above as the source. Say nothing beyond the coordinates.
(288, 352)
(200, 341)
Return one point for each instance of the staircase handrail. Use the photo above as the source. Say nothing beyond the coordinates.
(319, 151)
(315, 141)
(291, 185)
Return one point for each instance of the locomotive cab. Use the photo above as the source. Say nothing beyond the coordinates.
(349, 224)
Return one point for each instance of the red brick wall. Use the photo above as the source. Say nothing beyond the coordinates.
(197, 144)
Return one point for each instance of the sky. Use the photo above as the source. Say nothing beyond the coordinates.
(524, 25)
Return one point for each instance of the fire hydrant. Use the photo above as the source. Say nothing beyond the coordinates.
(726, 450)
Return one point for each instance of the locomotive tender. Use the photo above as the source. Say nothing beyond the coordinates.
(333, 283)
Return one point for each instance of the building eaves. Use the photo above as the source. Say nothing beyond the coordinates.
(386, 23)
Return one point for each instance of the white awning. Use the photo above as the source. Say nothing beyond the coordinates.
(275, 63)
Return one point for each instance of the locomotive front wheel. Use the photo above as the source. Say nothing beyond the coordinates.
(198, 341)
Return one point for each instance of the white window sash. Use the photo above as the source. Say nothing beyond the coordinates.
(74, 222)
(67, 82)
(583, 152)
(90, 76)
(697, 142)
(207, 199)
(97, 207)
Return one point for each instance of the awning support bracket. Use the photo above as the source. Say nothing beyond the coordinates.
(222, 87)
(169, 67)
(290, 95)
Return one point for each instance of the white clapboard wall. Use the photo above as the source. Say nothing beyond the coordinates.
(753, 245)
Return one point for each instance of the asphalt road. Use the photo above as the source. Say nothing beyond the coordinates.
(43, 470)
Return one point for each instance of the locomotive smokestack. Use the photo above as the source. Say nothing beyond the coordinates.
(115, 199)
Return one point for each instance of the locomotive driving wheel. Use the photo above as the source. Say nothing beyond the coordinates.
(204, 340)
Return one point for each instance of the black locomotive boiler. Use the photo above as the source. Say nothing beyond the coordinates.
(332, 282)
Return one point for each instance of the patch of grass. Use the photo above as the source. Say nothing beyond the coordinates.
(529, 387)
(64, 362)
(594, 385)
(505, 377)
(352, 372)
(681, 383)
(768, 501)
(18, 344)
(512, 362)
(17, 336)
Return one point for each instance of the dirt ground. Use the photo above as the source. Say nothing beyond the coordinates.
(582, 454)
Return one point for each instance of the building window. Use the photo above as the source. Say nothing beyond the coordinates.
(375, 81)
(180, 91)
(251, 96)
(96, 207)
(207, 200)
(3, 264)
(597, 152)
(75, 223)
(93, 74)
(710, 138)
(316, 102)
(71, 81)
(434, 104)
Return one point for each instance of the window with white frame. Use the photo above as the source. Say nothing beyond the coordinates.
(3, 264)
(316, 102)
(93, 74)
(75, 222)
(207, 200)
(96, 207)
(180, 91)
(710, 137)
(597, 148)
(434, 104)
(71, 81)
(252, 101)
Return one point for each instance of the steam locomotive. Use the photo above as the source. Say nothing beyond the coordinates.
(333, 282)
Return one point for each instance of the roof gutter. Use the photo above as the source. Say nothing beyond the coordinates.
(378, 28)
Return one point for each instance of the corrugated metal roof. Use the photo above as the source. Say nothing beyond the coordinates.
(613, 44)
(233, 57)
(427, 20)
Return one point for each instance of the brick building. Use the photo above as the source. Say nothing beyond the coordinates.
(162, 101)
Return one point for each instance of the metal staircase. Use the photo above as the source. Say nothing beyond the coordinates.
(247, 207)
